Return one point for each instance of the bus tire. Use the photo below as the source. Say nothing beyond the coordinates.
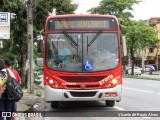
(110, 103)
(54, 104)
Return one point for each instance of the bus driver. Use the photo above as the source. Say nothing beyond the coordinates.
(64, 53)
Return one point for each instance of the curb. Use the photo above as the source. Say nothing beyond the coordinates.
(147, 77)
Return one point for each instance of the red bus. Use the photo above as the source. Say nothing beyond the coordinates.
(82, 59)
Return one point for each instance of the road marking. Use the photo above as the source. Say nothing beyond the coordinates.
(119, 108)
(142, 90)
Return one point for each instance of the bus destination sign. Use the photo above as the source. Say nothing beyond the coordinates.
(92, 24)
(82, 24)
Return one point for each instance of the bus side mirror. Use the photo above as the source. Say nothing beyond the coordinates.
(40, 46)
(124, 47)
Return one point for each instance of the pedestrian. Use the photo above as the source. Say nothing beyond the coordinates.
(151, 69)
(9, 64)
(2, 66)
(2, 88)
(6, 104)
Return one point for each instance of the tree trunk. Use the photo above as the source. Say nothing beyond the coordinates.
(132, 55)
(23, 64)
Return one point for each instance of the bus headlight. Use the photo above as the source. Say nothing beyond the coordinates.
(114, 81)
(51, 81)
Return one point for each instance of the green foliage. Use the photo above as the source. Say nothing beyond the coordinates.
(36, 54)
(43, 7)
(138, 36)
(120, 8)
(38, 92)
(125, 60)
(16, 47)
(65, 8)
(141, 35)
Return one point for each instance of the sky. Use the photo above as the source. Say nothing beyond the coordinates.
(143, 11)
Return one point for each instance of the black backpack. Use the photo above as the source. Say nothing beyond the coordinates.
(13, 88)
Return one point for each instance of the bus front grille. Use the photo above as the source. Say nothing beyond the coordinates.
(87, 87)
(83, 94)
(82, 78)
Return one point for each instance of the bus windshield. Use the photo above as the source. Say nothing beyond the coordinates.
(82, 52)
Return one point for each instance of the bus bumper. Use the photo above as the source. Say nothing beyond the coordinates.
(52, 94)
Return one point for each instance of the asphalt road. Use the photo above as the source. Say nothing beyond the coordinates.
(138, 95)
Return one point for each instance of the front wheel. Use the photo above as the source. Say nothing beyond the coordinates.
(110, 103)
(55, 104)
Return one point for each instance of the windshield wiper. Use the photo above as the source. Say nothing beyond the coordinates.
(95, 37)
(66, 34)
(92, 41)
(70, 38)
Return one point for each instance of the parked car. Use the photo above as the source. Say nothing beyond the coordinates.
(137, 71)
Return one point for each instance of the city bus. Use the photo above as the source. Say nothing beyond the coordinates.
(82, 59)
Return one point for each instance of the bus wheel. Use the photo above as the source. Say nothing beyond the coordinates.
(110, 103)
(54, 104)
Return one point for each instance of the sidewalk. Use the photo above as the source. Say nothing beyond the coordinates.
(32, 102)
(155, 76)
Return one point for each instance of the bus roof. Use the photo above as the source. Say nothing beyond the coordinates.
(80, 15)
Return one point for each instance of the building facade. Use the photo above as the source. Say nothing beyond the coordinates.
(152, 53)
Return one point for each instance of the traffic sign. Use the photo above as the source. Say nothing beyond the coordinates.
(4, 25)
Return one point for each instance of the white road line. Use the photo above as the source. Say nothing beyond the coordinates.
(119, 108)
(142, 90)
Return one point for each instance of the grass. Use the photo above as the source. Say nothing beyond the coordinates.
(38, 92)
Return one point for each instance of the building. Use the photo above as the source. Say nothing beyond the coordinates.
(152, 53)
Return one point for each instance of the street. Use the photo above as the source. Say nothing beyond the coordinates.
(138, 95)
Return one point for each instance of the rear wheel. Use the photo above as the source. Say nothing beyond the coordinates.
(55, 104)
(110, 103)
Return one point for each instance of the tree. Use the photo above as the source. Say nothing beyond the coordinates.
(120, 8)
(18, 40)
(43, 7)
(16, 47)
(139, 36)
(64, 6)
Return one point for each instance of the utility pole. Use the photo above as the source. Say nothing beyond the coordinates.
(30, 76)
(143, 60)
